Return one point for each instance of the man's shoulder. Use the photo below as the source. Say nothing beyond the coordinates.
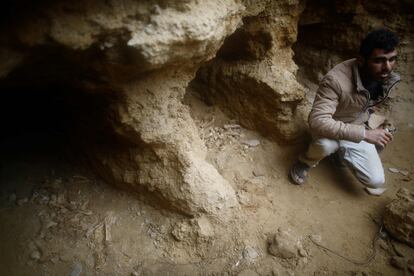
(342, 73)
(343, 68)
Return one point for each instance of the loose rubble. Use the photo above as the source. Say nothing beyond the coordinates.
(284, 245)
(399, 217)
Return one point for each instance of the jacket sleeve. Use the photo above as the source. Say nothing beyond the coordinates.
(321, 121)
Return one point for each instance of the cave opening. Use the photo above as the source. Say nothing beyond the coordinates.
(50, 125)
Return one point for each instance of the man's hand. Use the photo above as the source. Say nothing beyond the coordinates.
(378, 136)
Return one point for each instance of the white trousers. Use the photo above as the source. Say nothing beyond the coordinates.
(362, 158)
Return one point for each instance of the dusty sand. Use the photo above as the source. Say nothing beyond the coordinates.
(57, 219)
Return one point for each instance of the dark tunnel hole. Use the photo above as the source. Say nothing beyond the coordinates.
(244, 45)
(49, 128)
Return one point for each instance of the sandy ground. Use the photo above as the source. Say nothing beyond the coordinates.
(56, 219)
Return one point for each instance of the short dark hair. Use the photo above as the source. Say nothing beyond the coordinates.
(381, 38)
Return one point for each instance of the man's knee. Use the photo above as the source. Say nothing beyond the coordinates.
(327, 146)
(374, 181)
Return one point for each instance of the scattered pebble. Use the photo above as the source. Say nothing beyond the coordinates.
(405, 173)
(394, 170)
(258, 172)
(302, 252)
(316, 238)
(250, 254)
(54, 260)
(231, 126)
(284, 245)
(251, 142)
(76, 270)
(35, 255)
(383, 244)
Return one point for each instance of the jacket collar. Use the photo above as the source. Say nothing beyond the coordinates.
(392, 80)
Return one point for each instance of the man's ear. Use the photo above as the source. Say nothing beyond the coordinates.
(360, 60)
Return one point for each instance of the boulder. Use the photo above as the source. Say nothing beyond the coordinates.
(399, 217)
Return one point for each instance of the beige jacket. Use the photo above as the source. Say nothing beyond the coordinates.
(341, 105)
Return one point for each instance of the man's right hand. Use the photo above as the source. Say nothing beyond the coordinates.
(378, 136)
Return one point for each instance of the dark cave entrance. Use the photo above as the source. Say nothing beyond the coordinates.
(49, 125)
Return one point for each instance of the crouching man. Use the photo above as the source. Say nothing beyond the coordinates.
(340, 113)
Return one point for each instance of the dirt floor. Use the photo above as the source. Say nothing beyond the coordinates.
(56, 219)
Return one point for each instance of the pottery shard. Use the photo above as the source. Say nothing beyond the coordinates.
(399, 217)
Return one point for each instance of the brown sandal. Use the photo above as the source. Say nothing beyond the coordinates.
(299, 173)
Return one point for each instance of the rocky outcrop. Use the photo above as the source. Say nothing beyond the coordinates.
(140, 57)
(399, 217)
(130, 63)
(253, 76)
(143, 54)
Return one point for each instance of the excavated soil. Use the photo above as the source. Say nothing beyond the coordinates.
(57, 219)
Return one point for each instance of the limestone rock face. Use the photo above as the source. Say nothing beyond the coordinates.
(130, 64)
(253, 76)
(399, 217)
(144, 35)
(143, 54)
(166, 156)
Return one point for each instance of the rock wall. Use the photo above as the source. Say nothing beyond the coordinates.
(140, 57)
(399, 217)
(144, 54)
(253, 78)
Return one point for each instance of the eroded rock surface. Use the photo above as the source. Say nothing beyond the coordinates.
(399, 217)
(253, 76)
(133, 61)
(144, 54)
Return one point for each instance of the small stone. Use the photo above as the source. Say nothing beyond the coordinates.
(250, 254)
(76, 270)
(302, 252)
(243, 198)
(398, 217)
(251, 143)
(205, 229)
(399, 262)
(405, 173)
(50, 224)
(394, 170)
(258, 172)
(35, 255)
(231, 126)
(54, 259)
(383, 244)
(182, 231)
(283, 245)
(86, 212)
(316, 238)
